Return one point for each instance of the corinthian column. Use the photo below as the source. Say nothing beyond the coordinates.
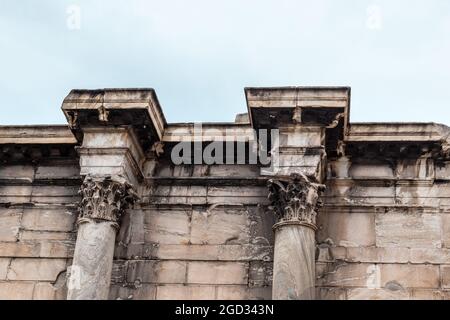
(295, 201)
(103, 203)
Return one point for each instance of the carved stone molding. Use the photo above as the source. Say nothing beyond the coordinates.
(104, 199)
(295, 200)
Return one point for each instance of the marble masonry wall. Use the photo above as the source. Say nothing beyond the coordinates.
(224, 231)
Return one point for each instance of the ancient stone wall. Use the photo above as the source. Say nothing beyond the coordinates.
(200, 232)
(371, 200)
(37, 228)
(383, 233)
(204, 232)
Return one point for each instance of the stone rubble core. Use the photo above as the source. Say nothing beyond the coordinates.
(295, 200)
(261, 226)
(103, 199)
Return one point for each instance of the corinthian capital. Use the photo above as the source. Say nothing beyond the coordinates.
(295, 200)
(105, 199)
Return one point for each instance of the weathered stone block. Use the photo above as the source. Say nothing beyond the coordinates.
(408, 230)
(212, 252)
(36, 269)
(194, 195)
(233, 171)
(132, 228)
(47, 291)
(347, 229)
(445, 277)
(179, 292)
(443, 171)
(261, 223)
(152, 271)
(142, 292)
(4, 264)
(368, 170)
(330, 294)
(424, 294)
(217, 273)
(35, 249)
(409, 276)
(167, 226)
(349, 192)
(260, 274)
(55, 195)
(9, 224)
(378, 255)
(432, 256)
(46, 235)
(243, 293)
(16, 290)
(25, 172)
(351, 275)
(220, 226)
(446, 230)
(48, 220)
(237, 195)
(19, 249)
(57, 172)
(376, 294)
(15, 194)
(119, 271)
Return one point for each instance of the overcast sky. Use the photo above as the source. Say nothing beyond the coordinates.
(200, 54)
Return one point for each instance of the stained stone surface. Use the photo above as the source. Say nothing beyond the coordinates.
(204, 231)
(90, 273)
(294, 263)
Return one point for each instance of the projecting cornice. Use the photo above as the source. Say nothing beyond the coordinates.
(21, 144)
(137, 108)
(391, 140)
(325, 107)
(282, 107)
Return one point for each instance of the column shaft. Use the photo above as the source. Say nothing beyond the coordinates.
(294, 263)
(93, 259)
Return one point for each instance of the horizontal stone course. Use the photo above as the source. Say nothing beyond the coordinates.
(25, 172)
(157, 271)
(37, 249)
(346, 229)
(388, 255)
(217, 273)
(48, 291)
(48, 220)
(36, 269)
(178, 292)
(213, 252)
(16, 290)
(142, 292)
(405, 230)
(220, 227)
(57, 172)
(376, 276)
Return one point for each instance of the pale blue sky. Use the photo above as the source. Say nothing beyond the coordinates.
(200, 54)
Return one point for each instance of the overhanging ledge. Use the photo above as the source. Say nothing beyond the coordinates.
(138, 108)
(281, 107)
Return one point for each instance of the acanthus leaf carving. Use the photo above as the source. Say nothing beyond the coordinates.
(295, 199)
(105, 199)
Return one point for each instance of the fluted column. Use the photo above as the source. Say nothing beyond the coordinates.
(295, 201)
(103, 202)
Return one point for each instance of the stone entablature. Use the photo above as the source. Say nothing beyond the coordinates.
(228, 230)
